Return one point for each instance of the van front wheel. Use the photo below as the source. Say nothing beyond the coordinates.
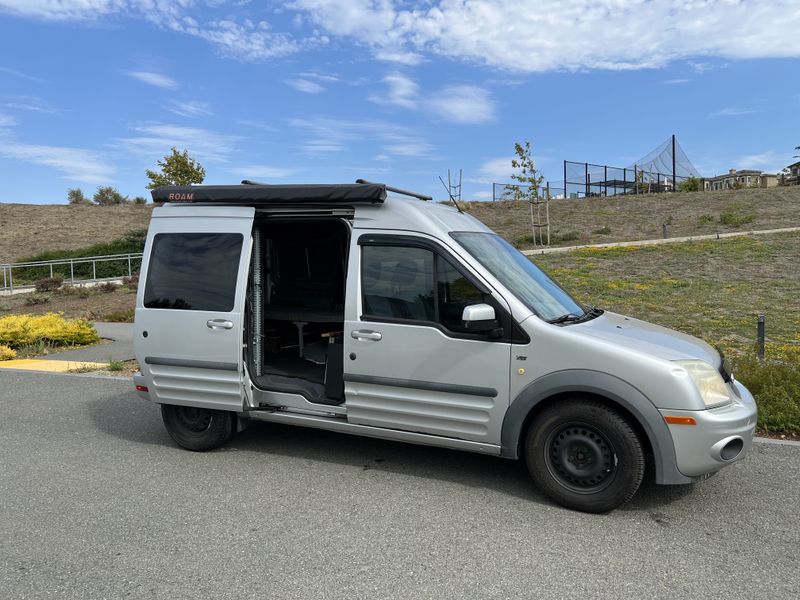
(198, 429)
(584, 455)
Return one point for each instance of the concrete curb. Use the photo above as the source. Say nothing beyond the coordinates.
(765, 440)
(656, 242)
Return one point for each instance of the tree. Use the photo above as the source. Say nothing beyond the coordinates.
(691, 184)
(528, 175)
(177, 168)
(76, 196)
(107, 195)
(139, 200)
(530, 182)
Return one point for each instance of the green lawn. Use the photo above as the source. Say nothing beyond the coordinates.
(714, 290)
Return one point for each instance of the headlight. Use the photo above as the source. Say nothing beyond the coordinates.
(709, 382)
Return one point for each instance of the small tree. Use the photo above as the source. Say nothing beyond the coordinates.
(75, 196)
(530, 183)
(139, 200)
(692, 184)
(177, 168)
(107, 195)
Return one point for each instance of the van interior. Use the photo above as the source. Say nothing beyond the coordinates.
(296, 306)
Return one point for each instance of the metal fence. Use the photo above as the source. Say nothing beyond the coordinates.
(582, 180)
(514, 191)
(88, 269)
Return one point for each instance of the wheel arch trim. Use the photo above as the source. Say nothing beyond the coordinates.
(614, 389)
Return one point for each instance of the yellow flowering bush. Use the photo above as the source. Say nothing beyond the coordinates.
(7, 353)
(21, 330)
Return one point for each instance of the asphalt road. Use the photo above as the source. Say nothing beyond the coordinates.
(97, 502)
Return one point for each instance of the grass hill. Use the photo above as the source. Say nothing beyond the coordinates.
(624, 218)
(30, 229)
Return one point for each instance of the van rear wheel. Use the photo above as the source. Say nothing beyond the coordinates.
(198, 429)
(584, 455)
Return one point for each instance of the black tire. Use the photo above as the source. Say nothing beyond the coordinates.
(198, 429)
(584, 455)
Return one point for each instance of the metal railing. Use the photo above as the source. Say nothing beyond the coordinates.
(73, 270)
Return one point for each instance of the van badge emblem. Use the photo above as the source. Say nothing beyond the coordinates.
(521, 357)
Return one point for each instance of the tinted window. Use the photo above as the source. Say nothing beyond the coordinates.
(455, 292)
(193, 271)
(398, 282)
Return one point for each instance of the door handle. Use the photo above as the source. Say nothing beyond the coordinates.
(366, 334)
(219, 324)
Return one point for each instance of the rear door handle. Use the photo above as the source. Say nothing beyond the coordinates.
(219, 324)
(365, 334)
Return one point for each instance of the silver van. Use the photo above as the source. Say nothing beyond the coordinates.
(365, 309)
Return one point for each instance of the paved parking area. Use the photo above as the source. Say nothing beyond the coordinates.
(97, 502)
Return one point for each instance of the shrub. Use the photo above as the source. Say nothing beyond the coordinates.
(604, 230)
(120, 316)
(775, 384)
(115, 365)
(107, 287)
(131, 282)
(48, 284)
(567, 236)
(36, 298)
(139, 200)
(7, 353)
(734, 219)
(705, 219)
(107, 195)
(692, 184)
(22, 330)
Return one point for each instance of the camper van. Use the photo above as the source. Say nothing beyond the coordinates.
(369, 310)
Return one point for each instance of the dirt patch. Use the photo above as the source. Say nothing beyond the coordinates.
(95, 306)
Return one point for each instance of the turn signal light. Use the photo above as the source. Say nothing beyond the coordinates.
(680, 420)
(142, 388)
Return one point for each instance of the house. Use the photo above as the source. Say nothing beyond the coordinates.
(791, 174)
(740, 178)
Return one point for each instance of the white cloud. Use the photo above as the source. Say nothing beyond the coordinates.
(733, 111)
(62, 9)
(305, 86)
(462, 104)
(20, 74)
(154, 79)
(494, 170)
(156, 139)
(404, 58)
(532, 36)
(7, 120)
(189, 108)
(76, 164)
(330, 134)
(482, 195)
(320, 76)
(676, 81)
(402, 91)
(567, 34)
(456, 103)
(262, 172)
(30, 103)
(769, 161)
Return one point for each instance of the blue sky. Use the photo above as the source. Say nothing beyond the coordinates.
(93, 92)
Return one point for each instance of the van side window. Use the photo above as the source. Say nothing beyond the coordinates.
(454, 293)
(403, 282)
(398, 282)
(193, 271)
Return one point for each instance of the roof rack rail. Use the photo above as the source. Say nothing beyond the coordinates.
(398, 190)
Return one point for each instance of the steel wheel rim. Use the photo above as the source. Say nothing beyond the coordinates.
(195, 420)
(580, 458)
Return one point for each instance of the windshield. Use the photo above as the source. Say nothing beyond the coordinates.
(519, 275)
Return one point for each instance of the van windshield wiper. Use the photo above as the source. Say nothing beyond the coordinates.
(590, 313)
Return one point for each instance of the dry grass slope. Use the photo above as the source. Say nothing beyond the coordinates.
(28, 229)
(613, 219)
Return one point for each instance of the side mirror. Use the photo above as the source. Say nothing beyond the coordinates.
(479, 318)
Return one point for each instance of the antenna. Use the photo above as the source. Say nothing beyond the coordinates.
(450, 188)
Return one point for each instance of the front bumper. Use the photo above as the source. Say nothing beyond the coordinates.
(713, 442)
